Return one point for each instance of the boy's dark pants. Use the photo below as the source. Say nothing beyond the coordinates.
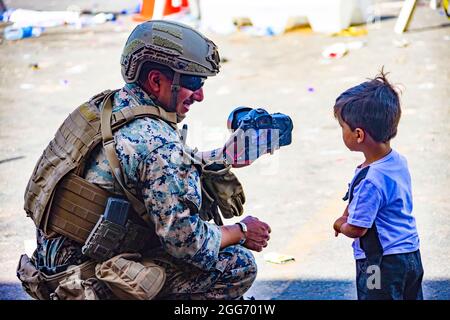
(400, 278)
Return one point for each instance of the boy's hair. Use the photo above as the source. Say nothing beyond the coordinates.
(373, 106)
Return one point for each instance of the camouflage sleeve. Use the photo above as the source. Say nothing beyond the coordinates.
(167, 186)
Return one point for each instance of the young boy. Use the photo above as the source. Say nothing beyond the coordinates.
(378, 216)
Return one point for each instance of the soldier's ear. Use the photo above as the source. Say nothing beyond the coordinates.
(154, 81)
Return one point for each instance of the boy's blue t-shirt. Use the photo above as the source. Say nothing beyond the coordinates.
(385, 197)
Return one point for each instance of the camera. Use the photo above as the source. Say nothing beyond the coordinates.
(272, 130)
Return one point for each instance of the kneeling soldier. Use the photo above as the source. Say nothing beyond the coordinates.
(119, 211)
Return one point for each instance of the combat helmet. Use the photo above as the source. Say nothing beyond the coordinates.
(172, 44)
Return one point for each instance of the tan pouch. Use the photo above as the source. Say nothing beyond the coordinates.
(77, 289)
(75, 283)
(131, 277)
(32, 279)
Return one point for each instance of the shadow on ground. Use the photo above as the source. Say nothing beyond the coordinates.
(12, 291)
(429, 28)
(293, 290)
(324, 289)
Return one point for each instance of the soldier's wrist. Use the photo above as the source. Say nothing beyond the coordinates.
(243, 228)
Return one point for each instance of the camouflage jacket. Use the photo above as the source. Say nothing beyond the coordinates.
(146, 149)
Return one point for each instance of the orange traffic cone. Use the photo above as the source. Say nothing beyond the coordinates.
(146, 11)
(169, 7)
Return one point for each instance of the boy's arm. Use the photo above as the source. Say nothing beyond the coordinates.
(369, 200)
(345, 214)
(340, 221)
(352, 231)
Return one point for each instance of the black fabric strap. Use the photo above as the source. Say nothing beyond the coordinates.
(370, 242)
(361, 176)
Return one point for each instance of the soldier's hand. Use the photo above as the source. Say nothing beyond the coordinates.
(258, 234)
(242, 148)
(234, 150)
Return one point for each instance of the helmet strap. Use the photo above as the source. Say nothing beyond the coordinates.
(175, 88)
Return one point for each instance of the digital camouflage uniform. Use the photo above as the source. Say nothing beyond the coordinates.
(190, 251)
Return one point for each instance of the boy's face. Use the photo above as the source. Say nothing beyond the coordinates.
(350, 138)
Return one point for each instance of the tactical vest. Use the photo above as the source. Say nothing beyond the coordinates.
(57, 198)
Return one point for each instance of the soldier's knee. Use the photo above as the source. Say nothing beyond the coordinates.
(253, 267)
(246, 261)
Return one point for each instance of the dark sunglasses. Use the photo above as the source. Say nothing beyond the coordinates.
(192, 83)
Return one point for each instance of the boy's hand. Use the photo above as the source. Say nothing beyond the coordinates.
(338, 223)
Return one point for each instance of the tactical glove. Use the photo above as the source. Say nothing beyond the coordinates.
(224, 188)
(209, 209)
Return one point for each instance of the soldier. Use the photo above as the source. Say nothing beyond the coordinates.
(164, 65)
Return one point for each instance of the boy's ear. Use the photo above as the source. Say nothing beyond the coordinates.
(360, 135)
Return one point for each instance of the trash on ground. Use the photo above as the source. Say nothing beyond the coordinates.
(132, 10)
(351, 32)
(401, 43)
(16, 33)
(278, 258)
(355, 45)
(242, 22)
(99, 18)
(301, 28)
(335, 51)
(46, 19)
(261, 31)
(340, 49)
(34, 66)
(23, 17)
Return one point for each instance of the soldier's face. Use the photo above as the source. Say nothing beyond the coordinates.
(186, 97)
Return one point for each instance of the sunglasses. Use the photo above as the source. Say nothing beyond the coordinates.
(192, 83)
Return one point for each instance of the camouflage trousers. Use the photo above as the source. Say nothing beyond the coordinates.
(233, 275)
(234, 272)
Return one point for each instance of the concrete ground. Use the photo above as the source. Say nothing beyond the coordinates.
(298, 190)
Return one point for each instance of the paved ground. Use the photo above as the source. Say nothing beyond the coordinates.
(297, 190)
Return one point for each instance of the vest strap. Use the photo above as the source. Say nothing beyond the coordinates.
(114, 163)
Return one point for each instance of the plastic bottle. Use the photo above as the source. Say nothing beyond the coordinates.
(15, 33)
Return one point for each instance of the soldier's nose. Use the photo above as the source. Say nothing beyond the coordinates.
(198, 95)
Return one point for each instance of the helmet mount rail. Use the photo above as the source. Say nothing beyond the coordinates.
(171, 44)
(169, 59)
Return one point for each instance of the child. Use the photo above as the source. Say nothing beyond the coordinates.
(378, 216)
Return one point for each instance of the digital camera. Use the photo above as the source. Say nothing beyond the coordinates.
(274, 130)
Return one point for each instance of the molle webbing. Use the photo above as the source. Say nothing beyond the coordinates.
(78, 135)
(76, 207)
